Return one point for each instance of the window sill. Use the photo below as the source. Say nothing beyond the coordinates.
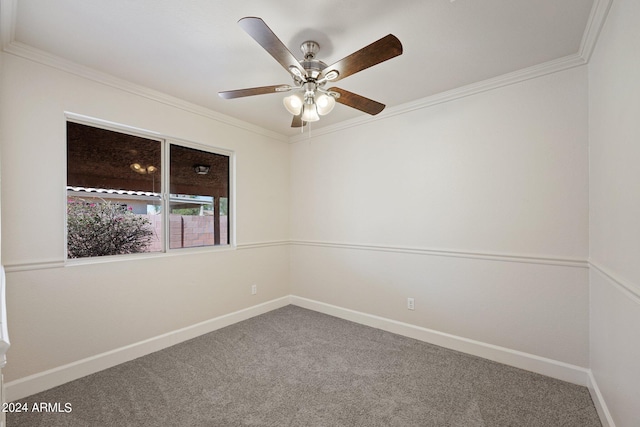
(143, 256)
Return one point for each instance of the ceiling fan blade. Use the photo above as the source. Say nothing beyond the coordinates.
(262, 90)
(261, 33)
(358, 102)
(379, 51)
(297, 122)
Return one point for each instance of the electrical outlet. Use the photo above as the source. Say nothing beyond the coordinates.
(254, 289)
(411, 304)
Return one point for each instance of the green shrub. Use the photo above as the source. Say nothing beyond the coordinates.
(104, 228)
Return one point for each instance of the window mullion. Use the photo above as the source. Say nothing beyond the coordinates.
(166, 173)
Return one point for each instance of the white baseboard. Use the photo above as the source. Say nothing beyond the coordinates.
(598, 400)
(39, 382)
(530, 362)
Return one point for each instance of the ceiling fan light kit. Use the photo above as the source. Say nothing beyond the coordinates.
(293, 104)
(310, 113)
(310, 99)
(314, 102)
(325, 103)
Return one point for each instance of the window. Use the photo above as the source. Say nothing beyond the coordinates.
(121, 199)
(199, 198)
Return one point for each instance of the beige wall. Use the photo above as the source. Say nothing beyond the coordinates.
(416, 205)
(60, 314)
(483, 209)
(473, 175)
(614, 132)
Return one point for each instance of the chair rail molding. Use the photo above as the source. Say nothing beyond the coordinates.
(490, 256)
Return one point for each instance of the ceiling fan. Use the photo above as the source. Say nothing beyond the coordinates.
(310, 99)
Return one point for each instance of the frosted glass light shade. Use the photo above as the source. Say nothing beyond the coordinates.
(325, 104)
(309, 113)
(293, 104)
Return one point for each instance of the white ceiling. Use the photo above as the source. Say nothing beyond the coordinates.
(193, 49)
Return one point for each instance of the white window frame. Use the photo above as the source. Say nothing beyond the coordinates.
(165, 141)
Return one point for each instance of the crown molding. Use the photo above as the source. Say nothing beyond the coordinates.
(594, 25)
(9, 45)
(529, 73)
(7, 22)
(27, 52)
(598, 15)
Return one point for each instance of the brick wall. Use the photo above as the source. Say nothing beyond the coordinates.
(187, 231)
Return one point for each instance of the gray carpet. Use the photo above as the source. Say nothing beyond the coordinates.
(296, 367)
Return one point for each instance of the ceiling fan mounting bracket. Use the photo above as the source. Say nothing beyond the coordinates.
(309, 49)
